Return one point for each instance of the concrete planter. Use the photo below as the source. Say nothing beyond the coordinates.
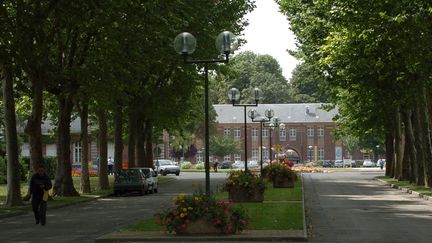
(238, 195)
(199, 227)
(283, 182)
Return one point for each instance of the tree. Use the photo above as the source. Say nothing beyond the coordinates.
(248, 70)
(223, 145)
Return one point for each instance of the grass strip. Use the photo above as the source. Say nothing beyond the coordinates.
(281, 210)
(406, 184)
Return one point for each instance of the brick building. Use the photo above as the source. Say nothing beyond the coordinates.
(307, 135)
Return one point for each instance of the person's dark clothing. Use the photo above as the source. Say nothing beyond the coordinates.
(38, 184)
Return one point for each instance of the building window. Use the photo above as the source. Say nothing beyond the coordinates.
(227, 131)
(255, 154)
(320, 153)
(227, 157)
(254, 133)
(320, 132)
(199, 156)
(237, 157)
(266, 154)
(77, 153)
(237, 133)
(293, 134)
(265, 132)
(311, 153)
(282, 135)
(310, 132)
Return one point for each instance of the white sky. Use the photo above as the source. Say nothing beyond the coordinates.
(268, 33)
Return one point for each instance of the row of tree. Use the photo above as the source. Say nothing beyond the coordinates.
(374, 59)
(112, 60)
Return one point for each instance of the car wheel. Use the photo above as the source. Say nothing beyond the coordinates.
(155, 190)
(177, 174)
(142, 192)
(116, 193)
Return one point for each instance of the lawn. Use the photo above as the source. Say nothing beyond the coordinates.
(60, 201)
(407, 185)
(282, 209)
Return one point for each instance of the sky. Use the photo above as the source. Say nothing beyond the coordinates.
(268, 33)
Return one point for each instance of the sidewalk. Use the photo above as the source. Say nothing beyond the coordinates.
(247, 235)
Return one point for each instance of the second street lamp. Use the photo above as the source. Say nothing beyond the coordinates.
(255, 116)
(184, 44)
(234, 96)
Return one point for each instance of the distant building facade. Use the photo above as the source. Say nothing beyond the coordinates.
(307, 135)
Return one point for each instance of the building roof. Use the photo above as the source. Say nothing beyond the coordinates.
(288, 113)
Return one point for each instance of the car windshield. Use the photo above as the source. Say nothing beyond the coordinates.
(146, 171)
(127, 175)
(165, 162)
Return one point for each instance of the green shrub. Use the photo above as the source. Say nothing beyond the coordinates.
(186, 165)
(51, 165)
(200, 166)
(3, 179)
(3, 166)
(24, 168)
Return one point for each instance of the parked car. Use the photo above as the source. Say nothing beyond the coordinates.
(166, 166)
(338, 163)
(130, 180)
(327, 163)
(238, 164)
(253, 164)
(225, 165)
(368, 163)
(151, 177)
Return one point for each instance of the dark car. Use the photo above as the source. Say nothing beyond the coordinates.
(225, 165)
(130, 180)
(327, 163)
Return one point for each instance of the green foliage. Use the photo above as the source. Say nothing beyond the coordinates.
(248, 70)
(244, 180)
(223, 145)
(186, 165)
(279, 170)
(200, 166)
(190, 208)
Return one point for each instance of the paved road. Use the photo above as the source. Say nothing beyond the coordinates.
(352, 207)
(85, 222)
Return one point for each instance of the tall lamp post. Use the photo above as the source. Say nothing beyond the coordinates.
(272, 125)
(185, 44)
(255, 116)
(310, 153)
(234, 96)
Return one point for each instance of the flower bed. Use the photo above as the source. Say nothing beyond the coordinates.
(280, 174)
(244, 186)
(212, 216)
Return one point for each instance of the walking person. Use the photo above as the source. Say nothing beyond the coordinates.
(110, 166)
(40, 183)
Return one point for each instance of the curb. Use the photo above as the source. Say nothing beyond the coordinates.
(247, 235)
(418, 194)
(305, 232)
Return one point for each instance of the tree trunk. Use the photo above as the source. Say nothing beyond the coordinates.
(149, 144)
(63, 184)
(411, 142)
(34, 122)
(118, 138)
(139, 141)
(13, 197)
(85, 179)
(131, 137)
(398, 146)
(103, 150)
(389, 141)
(424, 120)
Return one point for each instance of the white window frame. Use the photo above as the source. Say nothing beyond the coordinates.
(227, 131)
(265, 132)
(237, 133)
(310, 132)
(255, 154)
(237, 157)
(282, 134)
(320, 132)
(199, 156)
(321, 153)
(293, 133)
(266, 154)
(255, 133)
(227, 157)
(77, 153)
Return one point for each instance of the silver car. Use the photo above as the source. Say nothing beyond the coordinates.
(151, 177)
(165, 166)
(368, 163)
